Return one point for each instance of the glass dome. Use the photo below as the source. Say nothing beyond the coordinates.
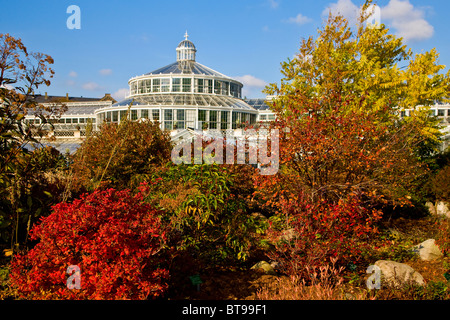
(184, 94)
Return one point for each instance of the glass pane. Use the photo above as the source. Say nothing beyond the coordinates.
(212, 116)
(133, 87)
(176, 85)
(180, 114)
(148, 85)
(155, 115)
(134, 115)
(217, 87)
(168, 125)
(201, 115)
(123, 114)
(186, 85)
(141, 87)
(168, 114)
(144, 114)
(165, 85)
(208, 84)
(156, 85)
(199, 85)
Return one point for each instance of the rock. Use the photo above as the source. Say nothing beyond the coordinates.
(274, 264)
(288, 235)
(428, 250)
(268, 269)
(258, 215)
(442, 209)
(431, 207)
(398, 274)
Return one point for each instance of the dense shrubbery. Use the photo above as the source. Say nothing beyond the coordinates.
(321, 232)
(112, 156)
(205, 208)
(114, 237)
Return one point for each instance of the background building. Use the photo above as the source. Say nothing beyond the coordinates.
(183, 96)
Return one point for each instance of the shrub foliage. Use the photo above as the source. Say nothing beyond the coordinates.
(112, 236)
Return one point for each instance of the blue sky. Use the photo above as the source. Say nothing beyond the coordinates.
(244, 39)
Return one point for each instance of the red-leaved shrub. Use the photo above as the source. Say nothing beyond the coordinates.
(114, 237)
(322, 232)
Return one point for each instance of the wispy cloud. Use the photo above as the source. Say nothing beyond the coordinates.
(274, 3)
(105, 72)
(91, 86)
(300, 19)
(73, 74)
(252, 85)
(120, 94)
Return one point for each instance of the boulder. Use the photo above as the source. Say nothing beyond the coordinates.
(442, 209)
(268, 269)
(431, 207)
(428, 250)
(397, 274)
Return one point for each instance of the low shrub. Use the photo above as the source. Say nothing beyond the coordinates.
(114, 237)
(320, 232)
(204, 210)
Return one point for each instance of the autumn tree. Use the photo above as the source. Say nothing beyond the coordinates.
(21, 73)
(339, 106)
(345, 152)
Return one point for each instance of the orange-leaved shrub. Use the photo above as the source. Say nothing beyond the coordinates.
(114, 237)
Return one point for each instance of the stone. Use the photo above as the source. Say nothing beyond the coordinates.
(431, 207)
(428, 250)
(397, 274)
(268, 269)
(258, 215)
(442, 209)
(288, 235)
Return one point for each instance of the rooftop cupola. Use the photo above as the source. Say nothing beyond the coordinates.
(186, 54)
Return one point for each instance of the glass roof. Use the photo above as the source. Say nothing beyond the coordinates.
(197, 68)
(186, 44)
(200, 100)
(258, 104)
(75, 110)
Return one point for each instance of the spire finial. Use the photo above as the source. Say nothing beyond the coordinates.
(186, 35)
